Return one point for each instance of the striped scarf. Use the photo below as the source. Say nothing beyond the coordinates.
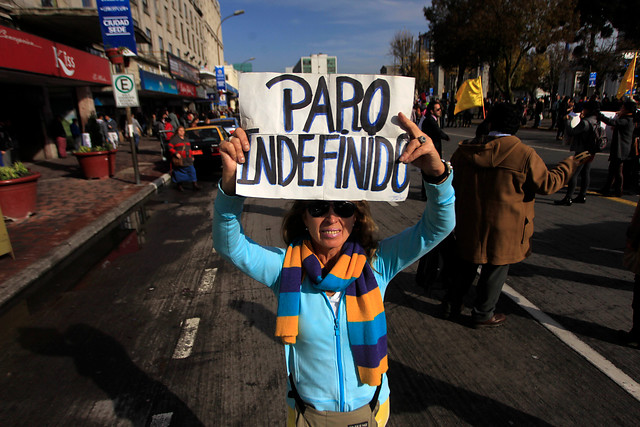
(352, 274)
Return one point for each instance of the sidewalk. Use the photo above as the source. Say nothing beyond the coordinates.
(71, 210)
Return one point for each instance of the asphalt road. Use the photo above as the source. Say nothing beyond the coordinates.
(169, 334)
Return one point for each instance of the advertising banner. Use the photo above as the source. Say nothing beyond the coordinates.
(331, 137)
(155, 83)
(26, 52)
(116, 24)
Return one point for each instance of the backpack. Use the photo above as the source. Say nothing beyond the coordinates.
(599, 140)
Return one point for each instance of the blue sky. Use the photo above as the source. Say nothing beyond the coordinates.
(278, 32)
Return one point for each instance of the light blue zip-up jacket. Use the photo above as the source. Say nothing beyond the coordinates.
(321, 361)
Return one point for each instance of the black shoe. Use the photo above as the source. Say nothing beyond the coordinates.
(448, 311)
(180, 188)
(563, 202)
(579, 199)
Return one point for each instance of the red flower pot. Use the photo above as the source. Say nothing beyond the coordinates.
(115, 56)
(18, 196)
(94, 164)
(112, 162)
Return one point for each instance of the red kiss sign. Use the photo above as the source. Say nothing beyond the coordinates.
(25, 52)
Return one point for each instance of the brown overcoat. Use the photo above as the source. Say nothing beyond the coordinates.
(496, 180)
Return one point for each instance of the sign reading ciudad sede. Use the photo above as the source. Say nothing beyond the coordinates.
(116, 24)
(317, 136)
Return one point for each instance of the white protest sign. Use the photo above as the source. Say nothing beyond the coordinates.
(318, 136)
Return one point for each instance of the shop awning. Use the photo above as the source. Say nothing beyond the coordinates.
(232, 89)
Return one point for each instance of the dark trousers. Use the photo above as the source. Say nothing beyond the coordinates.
(584, 172)
(492, 277)
(614, 177)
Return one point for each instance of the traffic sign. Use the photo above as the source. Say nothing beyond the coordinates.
(116, 24)
(124, 90)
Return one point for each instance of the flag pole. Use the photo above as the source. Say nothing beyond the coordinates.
(484, 115)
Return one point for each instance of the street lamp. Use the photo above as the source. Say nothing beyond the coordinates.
(240, 67)
(236, 13)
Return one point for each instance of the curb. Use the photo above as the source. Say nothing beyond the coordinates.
(18, 283)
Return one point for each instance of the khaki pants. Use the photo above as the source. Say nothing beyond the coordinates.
(379, 417)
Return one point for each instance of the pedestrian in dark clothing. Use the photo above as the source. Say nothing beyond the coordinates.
(620, 147)
(582, 139)
(432, 264)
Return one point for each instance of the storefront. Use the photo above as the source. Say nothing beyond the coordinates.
(40, 80)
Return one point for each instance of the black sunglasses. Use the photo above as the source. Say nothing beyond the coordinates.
(320, 208)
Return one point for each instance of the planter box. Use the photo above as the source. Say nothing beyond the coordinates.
(94, 164)
(18, 196)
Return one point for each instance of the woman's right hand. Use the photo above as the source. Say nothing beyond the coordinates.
(232, 153)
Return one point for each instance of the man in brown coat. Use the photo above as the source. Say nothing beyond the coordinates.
(496, 178)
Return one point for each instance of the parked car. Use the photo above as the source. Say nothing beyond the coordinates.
(229, 124)
(205, 142)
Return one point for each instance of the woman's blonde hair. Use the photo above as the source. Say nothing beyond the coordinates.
(363, 232)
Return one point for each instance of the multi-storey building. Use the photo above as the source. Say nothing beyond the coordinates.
(318, 63)
(178, 42)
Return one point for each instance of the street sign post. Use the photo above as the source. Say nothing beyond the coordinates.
(124, 90)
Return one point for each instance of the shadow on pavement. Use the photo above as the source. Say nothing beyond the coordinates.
(413, 391)
(136, 396)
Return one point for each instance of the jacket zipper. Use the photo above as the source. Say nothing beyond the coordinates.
(336, 327)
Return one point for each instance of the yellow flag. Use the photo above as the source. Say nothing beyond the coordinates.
(469, 95)
(626, 85)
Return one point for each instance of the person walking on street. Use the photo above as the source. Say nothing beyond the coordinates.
(583, 138)
(623, 128)
(60, 136)
(432, 264)
(182, 169)
(330, 284)
(496, 180)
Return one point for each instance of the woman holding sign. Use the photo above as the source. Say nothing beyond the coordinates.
(330, 283)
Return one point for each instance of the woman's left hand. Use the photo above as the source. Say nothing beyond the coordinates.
(423, 155)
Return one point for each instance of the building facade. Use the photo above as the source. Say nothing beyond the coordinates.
(179, 43)
(318, 63)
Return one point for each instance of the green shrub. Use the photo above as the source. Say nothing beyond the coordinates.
(18, 170)
(84, 149)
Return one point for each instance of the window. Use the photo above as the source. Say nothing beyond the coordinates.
(188, 38)
(182, 30)
(161, 45)
(175, 25)
(87, 4)
(167, 18)
(145, 6)
(49, 3)
(178, 52)
(148, 32)
(170, 48)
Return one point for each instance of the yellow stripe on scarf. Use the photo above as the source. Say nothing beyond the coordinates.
(373, 376)
(365, 307)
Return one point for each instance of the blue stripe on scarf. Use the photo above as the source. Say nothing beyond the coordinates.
(289, 304)
(369, 356)
(368, 333)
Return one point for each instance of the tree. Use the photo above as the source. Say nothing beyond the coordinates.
(453, 32)
(403, 50)
(500, 32)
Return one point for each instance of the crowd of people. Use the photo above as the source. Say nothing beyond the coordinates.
(334, 273)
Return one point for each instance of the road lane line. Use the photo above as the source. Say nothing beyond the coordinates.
(206, 284)
(579, 346)
(161, 420)
(187, 338)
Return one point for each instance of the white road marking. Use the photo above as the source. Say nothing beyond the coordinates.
(206, 284)
(579, 346)
(161, 420)
(172, 241)
(187, 338)
(394, 204)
